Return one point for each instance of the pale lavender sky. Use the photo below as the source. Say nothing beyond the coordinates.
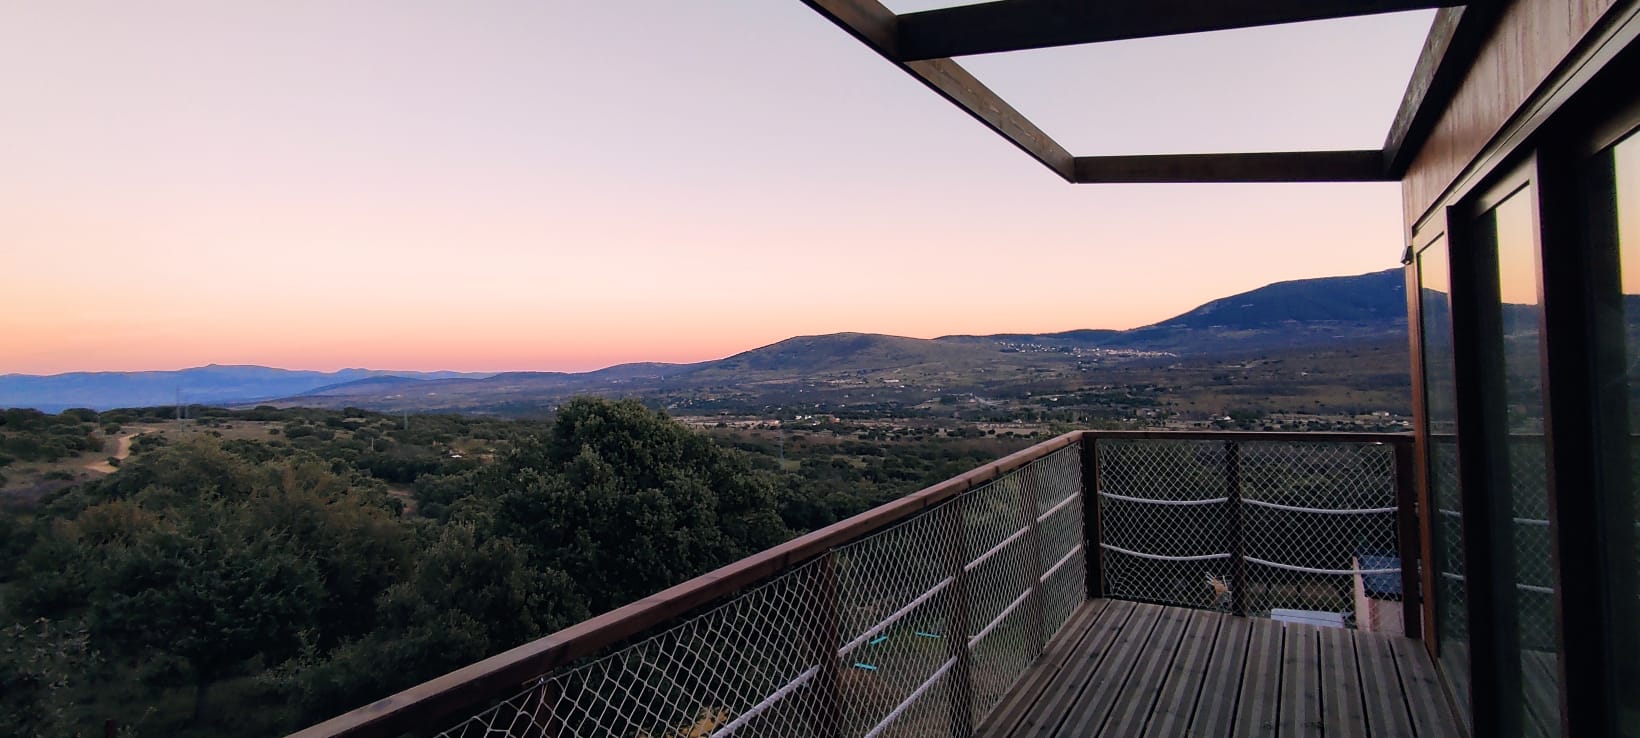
(566, 185)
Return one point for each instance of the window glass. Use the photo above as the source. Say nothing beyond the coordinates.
(1441, 415)
(1512, 224)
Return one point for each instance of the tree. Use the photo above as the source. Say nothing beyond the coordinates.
(193, 556)
(628, 499)
(469, 596)
(38, 661)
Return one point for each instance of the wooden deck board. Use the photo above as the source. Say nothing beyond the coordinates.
(1125, 669)
(1341, 700)
(1387, 713)
(1421, 689)
(1177, 700)
(1089, 713)
(1048, 712)
(1015, 705)
(1258, 707)
(1216, 705)
(1300, 682)
(1150, 675)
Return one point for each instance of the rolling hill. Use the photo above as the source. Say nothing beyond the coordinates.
(209, 385)
(1378, 298)
(1285, 316)
(1367, 309)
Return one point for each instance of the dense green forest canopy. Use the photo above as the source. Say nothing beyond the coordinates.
(252, 571)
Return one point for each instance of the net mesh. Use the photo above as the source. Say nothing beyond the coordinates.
(1448, 532)
(1535, 579)
(1266, 527)
(916, 630)
(1319, 528)
(1165, 521)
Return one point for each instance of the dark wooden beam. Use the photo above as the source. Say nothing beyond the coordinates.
(1011, 25)
(884, 32)
(1454, 40)
(954, 83)
(867, 20)
(876, 27)
(1296, 166)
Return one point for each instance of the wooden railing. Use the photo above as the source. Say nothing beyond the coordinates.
(809, 562)
(1274, 521)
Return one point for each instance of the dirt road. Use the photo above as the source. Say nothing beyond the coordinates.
(122, 451)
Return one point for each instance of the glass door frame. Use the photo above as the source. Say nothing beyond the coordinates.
(1548, 147)
(1495, 678)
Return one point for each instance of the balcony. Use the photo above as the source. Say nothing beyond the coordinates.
(1101, 583)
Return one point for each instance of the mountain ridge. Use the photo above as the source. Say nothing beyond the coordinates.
(208, 384)
(1281, 315)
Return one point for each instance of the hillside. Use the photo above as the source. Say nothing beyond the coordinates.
(1375, 298)
(210, 385)
(878, 373)
(1284, 315)
(511, 393)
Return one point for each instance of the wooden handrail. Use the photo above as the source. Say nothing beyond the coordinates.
(1252, 436)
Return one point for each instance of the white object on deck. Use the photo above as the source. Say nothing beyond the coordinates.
(1318, 618)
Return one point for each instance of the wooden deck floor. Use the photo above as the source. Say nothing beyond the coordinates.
(1126, 669)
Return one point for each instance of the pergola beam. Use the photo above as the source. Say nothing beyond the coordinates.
(1012, 25)
(876, 26)
(1294, 166)
(885, 33)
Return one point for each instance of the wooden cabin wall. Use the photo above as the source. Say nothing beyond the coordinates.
(1531, 37)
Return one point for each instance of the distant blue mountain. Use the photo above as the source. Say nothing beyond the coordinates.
(209, 385)
(1378, 297)
(1301, 312)
(1330, 311)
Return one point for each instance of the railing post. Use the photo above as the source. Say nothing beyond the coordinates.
(826, 639)
(1092, 553)
(962, 690)
(1238, 548)
(1409, 540)
(1029, 502)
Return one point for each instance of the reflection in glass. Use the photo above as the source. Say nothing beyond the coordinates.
(1441, 415)
(1620, 493)
(1534, 596)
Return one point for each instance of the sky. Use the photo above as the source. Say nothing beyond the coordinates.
(566, 185)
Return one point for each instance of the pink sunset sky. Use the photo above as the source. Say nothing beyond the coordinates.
(556, 185)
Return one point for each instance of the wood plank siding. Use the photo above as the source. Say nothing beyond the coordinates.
(1530, 39)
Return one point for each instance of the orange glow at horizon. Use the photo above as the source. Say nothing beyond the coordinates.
(318, 186)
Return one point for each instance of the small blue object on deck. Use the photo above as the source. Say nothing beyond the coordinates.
(1383, 585)
(879, 639)
(867, 667)
(925, 634)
